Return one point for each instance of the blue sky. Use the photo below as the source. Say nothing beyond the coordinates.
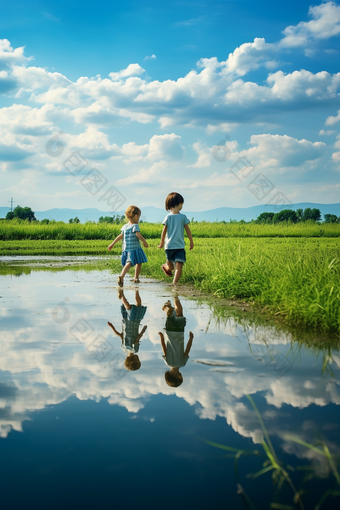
(144, 90)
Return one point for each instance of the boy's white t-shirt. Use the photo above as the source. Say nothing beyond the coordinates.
(174, 239)
(174, 342)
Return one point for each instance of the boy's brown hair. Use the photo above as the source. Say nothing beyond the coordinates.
(172, 200)
(173, 380)
(131, 211)
(132, 362)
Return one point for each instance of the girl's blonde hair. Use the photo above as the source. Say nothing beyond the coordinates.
(131, 211)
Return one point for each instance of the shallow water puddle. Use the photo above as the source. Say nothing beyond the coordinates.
(76, 423)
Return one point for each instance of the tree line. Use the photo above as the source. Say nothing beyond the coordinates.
(26, 214)
(296, 216)
(286, 215)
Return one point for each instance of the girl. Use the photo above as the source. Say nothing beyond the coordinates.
(173, 236)
(133, 254)
(132, 315)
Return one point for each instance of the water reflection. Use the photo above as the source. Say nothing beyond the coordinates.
(132, 315)
(172, 342)
(44, 366)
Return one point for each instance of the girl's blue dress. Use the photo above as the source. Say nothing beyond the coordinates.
(132, 251)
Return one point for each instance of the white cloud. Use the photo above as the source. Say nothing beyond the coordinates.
(332, 120)
(322, 132)
(288, 88)
(282, 153)
(33, 78)
(10, 56)
(205, 153)
(131, 70)
(150, 57)
(24, 120)
(92, 144)
(249, 56)
(325, 23)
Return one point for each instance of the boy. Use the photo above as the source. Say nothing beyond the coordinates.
(173, 236)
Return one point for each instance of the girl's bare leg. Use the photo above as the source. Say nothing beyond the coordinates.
(137, 271)
(138, 299)
(178, 272)
(125, 269)
(178, 307)
(126, 303)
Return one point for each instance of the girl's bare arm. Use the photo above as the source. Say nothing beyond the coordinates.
(187, 350)
(164, 231)
(141, 333)
(116, 332)
(118, 238)
(189, 234)
(141, 238)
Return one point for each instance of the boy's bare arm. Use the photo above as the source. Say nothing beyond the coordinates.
(189, 234)
(164, 231)
(162, 343)
(118, 238)
(114, 329)
(187, 350)
(141, 238)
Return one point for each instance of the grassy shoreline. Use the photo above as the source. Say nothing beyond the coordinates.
(297, 279)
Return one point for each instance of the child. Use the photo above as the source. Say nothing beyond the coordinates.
(131, 317)
(173, 343)
(173, 235)
(133, 254)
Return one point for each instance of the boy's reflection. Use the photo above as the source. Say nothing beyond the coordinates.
(131, 318)
(172, 341)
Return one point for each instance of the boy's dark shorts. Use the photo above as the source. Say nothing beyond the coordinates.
(176, 255)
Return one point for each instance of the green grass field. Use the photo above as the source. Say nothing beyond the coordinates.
(295, 278)
(11, 230)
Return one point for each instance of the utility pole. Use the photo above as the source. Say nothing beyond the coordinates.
(12, 201)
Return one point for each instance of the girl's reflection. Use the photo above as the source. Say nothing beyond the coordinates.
(131, 318)
(172, 341)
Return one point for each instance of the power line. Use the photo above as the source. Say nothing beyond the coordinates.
(12, 201)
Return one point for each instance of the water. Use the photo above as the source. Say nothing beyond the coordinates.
(78, 430)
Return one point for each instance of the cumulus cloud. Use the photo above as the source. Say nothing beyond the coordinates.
(10, 56)
(249, 56)
(205, 153)
(332, 120)
(25, 120)
(325, 23)
(282, 153)
(131, 70)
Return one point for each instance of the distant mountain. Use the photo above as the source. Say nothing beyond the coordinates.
(154, 215)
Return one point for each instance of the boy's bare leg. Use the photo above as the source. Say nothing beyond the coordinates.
(138, 299)
(169, 266)
(178, 272)
(178, 307)
(137, 271)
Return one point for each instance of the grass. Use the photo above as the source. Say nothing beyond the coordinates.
(297, 279)
(280, 473)
(105, 231)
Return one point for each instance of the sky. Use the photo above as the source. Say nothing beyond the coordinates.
(232, 104)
